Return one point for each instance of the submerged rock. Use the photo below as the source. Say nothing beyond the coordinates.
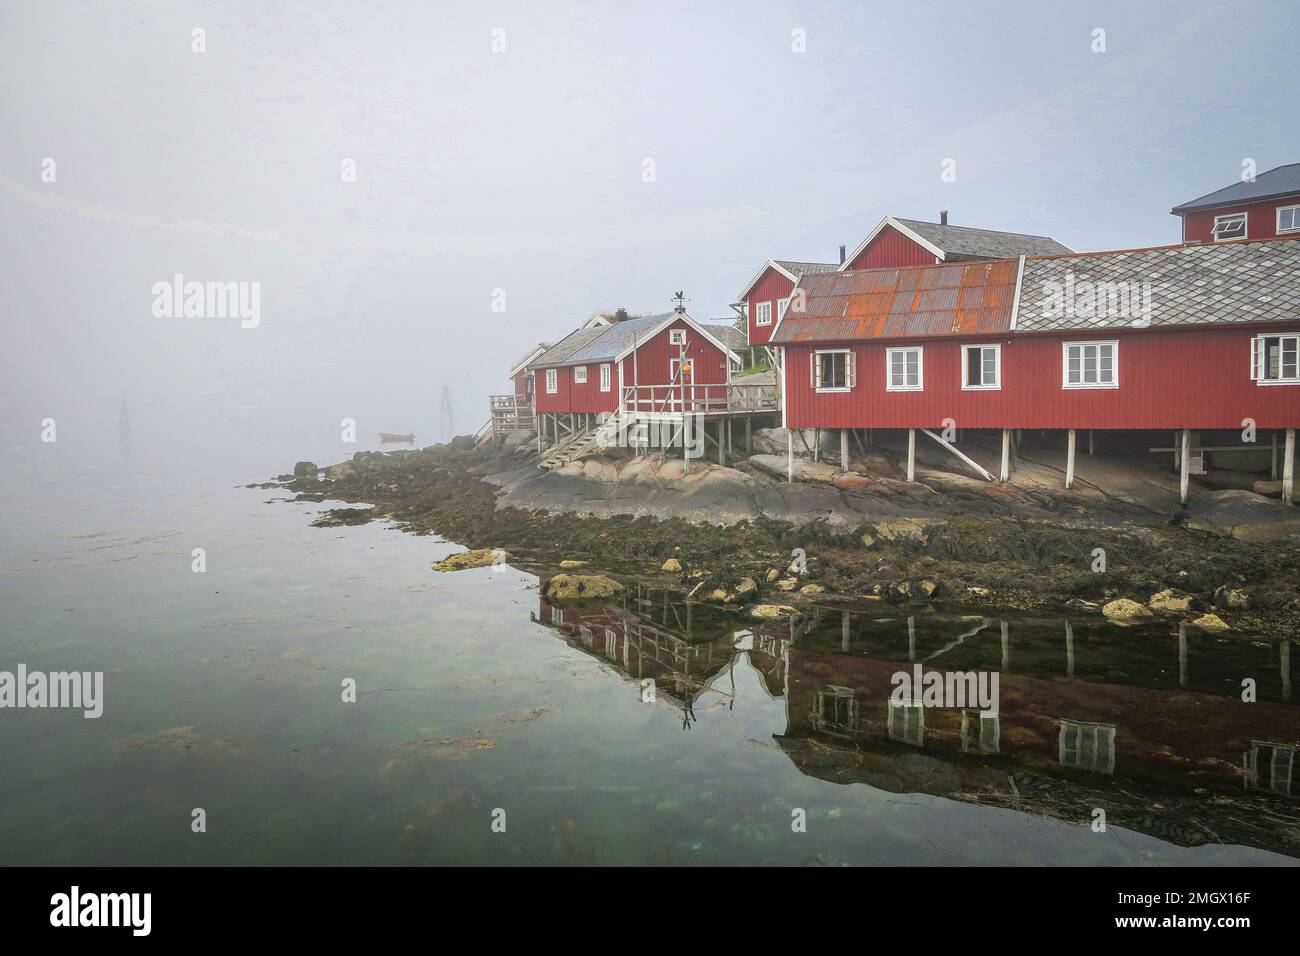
(1211, 623)
(1123, 611)
(581, 587)
(1169, 601)
(771, 612)
(305, 469)
(479, 558)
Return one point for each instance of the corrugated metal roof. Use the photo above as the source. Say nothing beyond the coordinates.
(1231, 282)
(958, 298)
(983, 243)
(1273, 184)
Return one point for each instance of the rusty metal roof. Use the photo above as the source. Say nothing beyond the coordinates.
(955, 298)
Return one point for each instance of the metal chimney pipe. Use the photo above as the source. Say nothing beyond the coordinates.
(841, 255)
(943, 217)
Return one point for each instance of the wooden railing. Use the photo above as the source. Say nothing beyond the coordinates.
(705, 399)
(511, 413)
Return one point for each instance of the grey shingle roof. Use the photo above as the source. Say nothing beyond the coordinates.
(1273, 184)
(613, 339)
(804, 268)
(1240, 282)
(730, 336)
(561, 350)
(957, 241)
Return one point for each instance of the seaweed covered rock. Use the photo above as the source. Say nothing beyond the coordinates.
(581, 587)
(478, 558)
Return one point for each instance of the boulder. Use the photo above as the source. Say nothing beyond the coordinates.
(1169, 601)
(812, 589)
(904, 529)
(1269, 489)
(478, 558)
(773, 575)
(671, 566)
(804, 470)
(771, 612)
(581, 587)
(1125, 612)
(572, 565)
(1211, 623)
(343, 469)
(1234, 598)
(305, 469)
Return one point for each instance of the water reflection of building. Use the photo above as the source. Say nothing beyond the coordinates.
(655, 638)
(1148, 725)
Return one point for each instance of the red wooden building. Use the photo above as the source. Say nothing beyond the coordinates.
(1266, 208)
(894, 242)
(1179, 337)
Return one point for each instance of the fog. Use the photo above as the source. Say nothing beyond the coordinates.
(504, 147)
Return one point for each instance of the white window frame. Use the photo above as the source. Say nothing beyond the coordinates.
(997, 368)
(1257, 356)
(920, 369)
(848, 370)
(605, 377)
(762, 313)
(906, 722)
(1114, 363)
(1094, 746)
(782, 305)
(579, 375)
(1245, 226)
(676, 336)
(1295, 219)
(552, 381)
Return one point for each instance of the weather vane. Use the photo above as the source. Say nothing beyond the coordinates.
(680, 298)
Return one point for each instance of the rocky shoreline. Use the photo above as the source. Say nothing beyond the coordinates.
(741, 538)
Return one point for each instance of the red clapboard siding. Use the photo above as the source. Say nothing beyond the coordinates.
(889, 250)
(1261, 221)
(1167, 379)
(654, 358)
(573, 396)
(772, 287)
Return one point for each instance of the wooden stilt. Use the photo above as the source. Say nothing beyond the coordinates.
(844, 449)
(1006, 454)
(1184, 460)
(789, 460)
(817, 444)
(722, 444)
(911, 454)
(1288, 467)
(1272, 438)
(1069, 460)
(1178, 437)
(749, 437)
(1091, 446)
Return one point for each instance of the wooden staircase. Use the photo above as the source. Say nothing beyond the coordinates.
(581, 444)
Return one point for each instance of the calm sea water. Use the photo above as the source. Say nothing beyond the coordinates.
(223, 692)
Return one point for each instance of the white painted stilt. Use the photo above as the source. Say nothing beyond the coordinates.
(1184, 461)
(911, 454)
(1006, 454)
(844, 449)
(1069, 460)
(1069, 649)
(1272, 443)
(789, 459)
(1288, 466)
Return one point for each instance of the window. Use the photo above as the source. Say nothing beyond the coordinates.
(1230, 227)
(832, 371)
(1088, 746)
(903, 370)
(677, 337)
(688, 373)
(1288, 219)
(981, 731)
(981, 366)
(1269, 766)
(579, 374)
(1275, 359)
(907, 722)
(837, 710)
(604, 378)
(781, 306)
(552, 381)
(557, 615)
(1089, 365)
(763, 313)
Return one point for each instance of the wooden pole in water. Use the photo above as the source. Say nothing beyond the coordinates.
(911, 454)
(1288, 467)
(1006, 454)
(844, 449)
(789, 459)
(1184, 460)
(1069, 460)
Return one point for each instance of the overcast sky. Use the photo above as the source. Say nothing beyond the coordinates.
(523, 168)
